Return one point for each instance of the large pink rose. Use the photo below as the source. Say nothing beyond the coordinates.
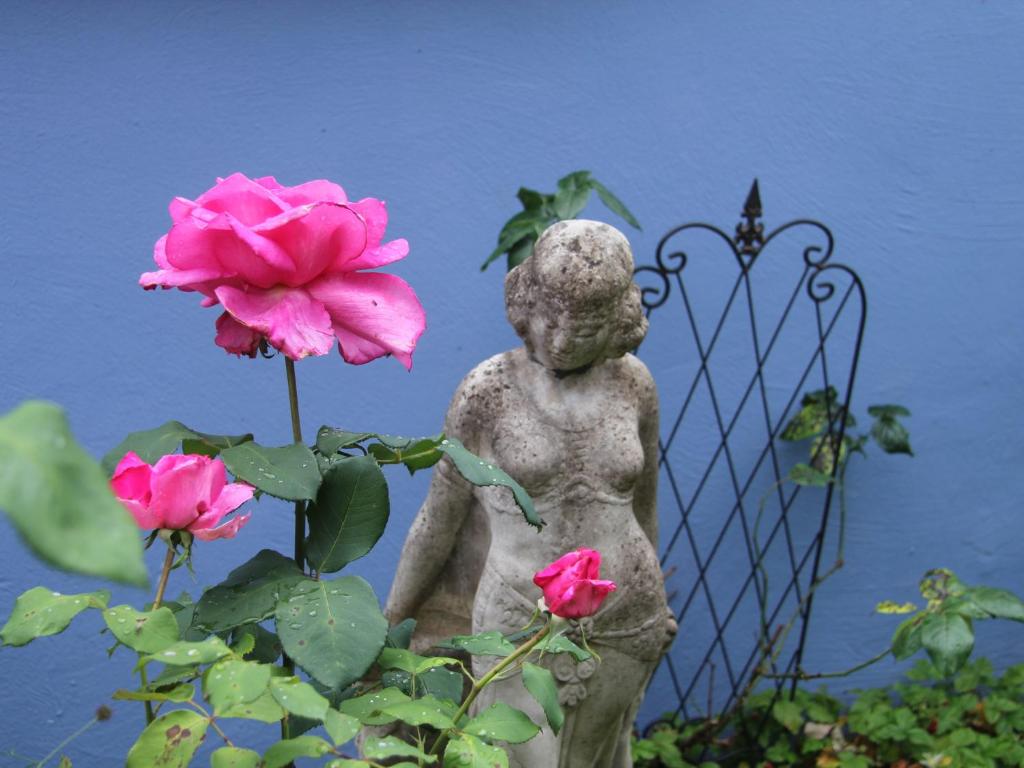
(571, 585)
(284, 263)
(189, 493)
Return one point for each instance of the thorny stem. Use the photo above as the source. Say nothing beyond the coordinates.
(482, 683)
(161, 587)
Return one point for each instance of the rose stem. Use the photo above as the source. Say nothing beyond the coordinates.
(480, 684)
(157, 599)
(300, 508)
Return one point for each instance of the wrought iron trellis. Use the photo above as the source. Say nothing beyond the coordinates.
(728, 516)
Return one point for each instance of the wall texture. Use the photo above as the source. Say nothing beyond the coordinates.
(900, 124)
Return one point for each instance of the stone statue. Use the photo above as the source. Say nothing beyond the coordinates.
(574, 418)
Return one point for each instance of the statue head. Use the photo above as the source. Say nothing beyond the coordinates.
(573, 302)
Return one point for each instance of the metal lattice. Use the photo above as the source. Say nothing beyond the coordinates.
(741, 547)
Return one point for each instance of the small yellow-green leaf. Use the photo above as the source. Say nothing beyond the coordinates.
(231, 682)
(185, 653)
(889, 607)
(287, 750)
(40, 612)
(298, 698)
(170, 741)
(142, 631)
(234, 757)
(340, 727)
(467, 751)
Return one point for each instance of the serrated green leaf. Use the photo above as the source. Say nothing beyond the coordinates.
(330, 440)
(906, 640)
(59, 499)
(40, 612)
(788, 714)
(349, 515)
(333, 629)
(467, 751)
(987, 603)
(562, 644)
(369, 708)
(231, 682)
(170, 741)
(491, 643)
(948, 638)
(287, 750)
(288, 472)
(266, 647)
(480, 472)
(613, 203)
(340, 727)
(249, 594)
(502, 723)
(398, 658)
(234, 757)
(142, 631)
(423, 711)
(541, 685)
(263, 709)
(299, 698)
(391, 746)
(185, 653)
(151, 444)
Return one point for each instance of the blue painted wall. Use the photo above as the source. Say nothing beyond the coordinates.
(900, 124)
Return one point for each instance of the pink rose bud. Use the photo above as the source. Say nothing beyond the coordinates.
(285, 263)
(189, 493)
(571, 585)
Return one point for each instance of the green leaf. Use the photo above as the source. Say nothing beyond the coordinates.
(502, 723)
(399, 658)
(349, 515)
(531, 199)
(891, 435)
(988, 603)
(879, 411)
(263, 708)
(299, 698)
(469, 752)
(249, 594)
(541, 685)
(330, 440)
(185, 653)
(40, 612)
(234, 757)
(179, 693)
(423, 711)
(60, 501)
(400, 635)
(287, 750)
(805, 475)
(145, 632)
(572, 195)
(289, 472)
(231, 682)
(391, 746)
(151, 444)
(613, 203)
(266, 647)
(340, 727)
(562, 644)
(823, 453)
(333, 629)
(526, 224)
(520, 252)
(369, 709)
(906, 640)
(170, 741)
(491, 643)
(948, 639)
(478, 472)
(788, 714)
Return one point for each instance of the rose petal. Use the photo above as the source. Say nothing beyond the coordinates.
(582, 598)
(231, 497)
(226, 531)
(375, 213)
(377, 308)
(248, 201)
(317, 237)
(131, 486)
(222, 249)
(387, 253)
(184, 487)
(236, 338)
(292, 321)
(318, 191)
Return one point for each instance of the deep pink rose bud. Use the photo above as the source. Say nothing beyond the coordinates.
(288, 264)
(571, 585)
(189, 493)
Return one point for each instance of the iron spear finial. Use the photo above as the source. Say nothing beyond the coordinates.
(750, 233)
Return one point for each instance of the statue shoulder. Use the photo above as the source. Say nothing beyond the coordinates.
(481, 394)
(638, 378)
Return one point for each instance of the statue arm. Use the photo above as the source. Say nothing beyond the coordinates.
(645, 504)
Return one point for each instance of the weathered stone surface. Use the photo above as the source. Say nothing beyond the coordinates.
(574, 418)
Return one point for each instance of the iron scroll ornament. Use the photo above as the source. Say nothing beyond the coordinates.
(835, 291)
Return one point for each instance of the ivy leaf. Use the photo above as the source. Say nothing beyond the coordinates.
(491, 643)
(501, 722)
(60, 501)
(289, 472)
(805, 475)
(887, 430)
(234, 757)
(881, 411)
(788, 714)
(249, 594)
(145, 632)
(151, 444)
(287, 750)
(613, 203)
(334, 629)
(40, 612)
(541, 685)
(572, 195)
(349, 515)
(170, 741)
(467, 751)
(480, 473)
(948, 638)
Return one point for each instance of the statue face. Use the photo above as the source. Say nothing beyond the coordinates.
(565, 339)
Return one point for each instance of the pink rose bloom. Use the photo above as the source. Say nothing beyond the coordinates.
(571, 585)
(189, 493)
(285, 263)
